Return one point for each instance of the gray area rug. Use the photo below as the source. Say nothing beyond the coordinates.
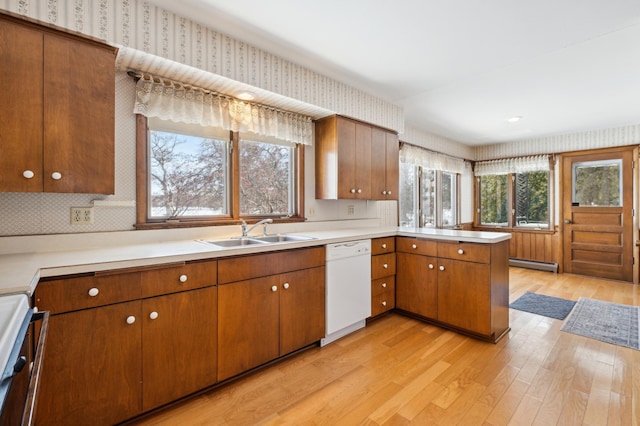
(539, 304)
(605, 321)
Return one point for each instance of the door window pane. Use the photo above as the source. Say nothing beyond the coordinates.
(493, 200)
(187, 174)
(266, 178)
(532, 199)
(597, 183)
(428, 198)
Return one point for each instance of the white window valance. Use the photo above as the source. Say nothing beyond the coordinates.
(411, 154)
(168, 100)
(512, 165)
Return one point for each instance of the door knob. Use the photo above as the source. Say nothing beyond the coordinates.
(567, 221)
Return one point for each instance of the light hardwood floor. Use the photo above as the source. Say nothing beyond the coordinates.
(400, 371)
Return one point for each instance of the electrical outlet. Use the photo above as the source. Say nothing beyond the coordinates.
(81, 215)
(312, 212)
(351, 210)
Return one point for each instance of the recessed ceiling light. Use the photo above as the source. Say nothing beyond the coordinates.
(514, 119)
(246, 96)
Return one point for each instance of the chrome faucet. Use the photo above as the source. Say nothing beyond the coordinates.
(263, 222)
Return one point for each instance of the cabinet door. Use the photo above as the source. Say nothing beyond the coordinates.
(464, 295)
(302, 308)
(346, 133)
(416, 284)
(79, 110)
(179, 345)
(20, 108)
(362, 161)
(392, 166)
(91, 370)
(248, 325)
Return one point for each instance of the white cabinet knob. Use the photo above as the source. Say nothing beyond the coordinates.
(431, 266)
(384, 192)
(384, 245)
(131, 319)
(153, 315)
(414, 246)
(441, 268)
(384, 303)
(353, 190)
(28, 174)
(384, 285)
(274, 288)
(183, 278)
(388, 192)
(460, 251)
(285, 285)
(56, 175)
(385, 266)
(359, 191)
(93, 292)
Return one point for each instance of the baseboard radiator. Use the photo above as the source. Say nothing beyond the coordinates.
(532, 264)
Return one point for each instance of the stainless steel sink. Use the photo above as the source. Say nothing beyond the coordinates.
(282, 238)
(266, 239)
(236, 242)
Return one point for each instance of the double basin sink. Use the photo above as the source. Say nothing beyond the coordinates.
(266, 239)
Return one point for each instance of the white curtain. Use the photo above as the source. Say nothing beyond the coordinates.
(168, 100)
(411, 154)
(512, 165)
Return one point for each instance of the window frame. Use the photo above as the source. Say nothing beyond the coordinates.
(142, 188)
(511, 204)
(438, 211)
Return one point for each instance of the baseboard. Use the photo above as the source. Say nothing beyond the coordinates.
(532, 264)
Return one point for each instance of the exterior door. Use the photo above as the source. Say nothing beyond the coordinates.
(597, 214)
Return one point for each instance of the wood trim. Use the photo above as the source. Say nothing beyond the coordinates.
(141, 169)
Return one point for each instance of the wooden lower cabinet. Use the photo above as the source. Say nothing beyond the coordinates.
(113, 360)
(417, 285)
(383, 275)
(464, 286)
(179, 345)
(264, 318)
(91, 372)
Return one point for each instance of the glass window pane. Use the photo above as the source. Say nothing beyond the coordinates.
(188, 175)
(493, 200)
(266, 178)
(408, 200)
(532, 199)
(597, 183)
(449, 199)
(428, 198)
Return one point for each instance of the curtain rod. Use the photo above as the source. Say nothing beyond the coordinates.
(435, 152)
(137, 75)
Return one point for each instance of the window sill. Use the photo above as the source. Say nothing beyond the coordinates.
(172, 224)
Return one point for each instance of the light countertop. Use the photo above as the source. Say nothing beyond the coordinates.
(20, 272)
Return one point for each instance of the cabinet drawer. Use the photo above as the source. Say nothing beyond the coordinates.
(470, 252)
(417, 246)
(383, 265)
(178, 277)
(261, 265)
(383, 301)
(383, 245)
(383, 285)
(72, 294)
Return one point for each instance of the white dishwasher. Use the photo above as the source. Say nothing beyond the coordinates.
(348, 288)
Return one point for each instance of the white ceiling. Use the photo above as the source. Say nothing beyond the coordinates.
(459, 68)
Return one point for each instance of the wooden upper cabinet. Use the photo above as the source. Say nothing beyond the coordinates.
(351, 156)
(384, 165)
(57, 93)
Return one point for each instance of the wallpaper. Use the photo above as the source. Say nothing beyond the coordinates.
(145, 28)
